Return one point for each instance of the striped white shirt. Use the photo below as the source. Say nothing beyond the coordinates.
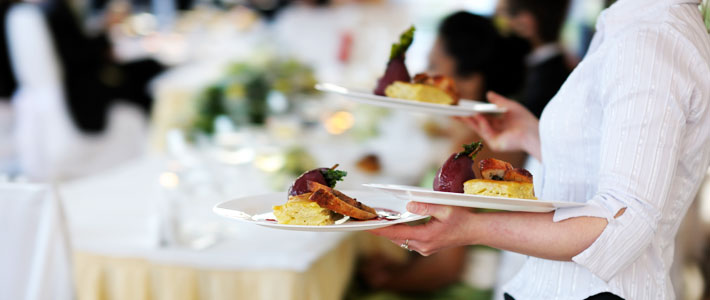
(629, 128)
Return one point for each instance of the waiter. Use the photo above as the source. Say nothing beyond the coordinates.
(628, 134)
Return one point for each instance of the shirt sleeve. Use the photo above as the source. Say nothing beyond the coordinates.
(644, 112)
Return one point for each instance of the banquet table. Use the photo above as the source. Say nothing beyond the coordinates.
(115, 231)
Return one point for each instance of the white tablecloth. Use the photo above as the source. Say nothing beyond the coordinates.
(116, 214)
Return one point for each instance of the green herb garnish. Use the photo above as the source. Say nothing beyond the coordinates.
(332, 176)
(405, 40)
(470, 150)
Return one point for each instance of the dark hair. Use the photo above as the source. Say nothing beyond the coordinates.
(477, 47)
(549, 14)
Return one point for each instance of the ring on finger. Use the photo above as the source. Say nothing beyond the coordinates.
(405, 245)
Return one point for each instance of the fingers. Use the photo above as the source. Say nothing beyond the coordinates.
(475, 121)
(399, 242)
(470, 122)
(414, 245)
(483, 128)
(465, 120)
(424, 239)
(399, 232)
(496, 98)
(437, 211)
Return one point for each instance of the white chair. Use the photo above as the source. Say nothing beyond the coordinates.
(47, 143)
(34, 252)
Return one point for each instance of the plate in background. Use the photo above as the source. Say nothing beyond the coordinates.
(463, 109)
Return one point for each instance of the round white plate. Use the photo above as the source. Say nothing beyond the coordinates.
(258, 210)
(418, 194)
(464, 108)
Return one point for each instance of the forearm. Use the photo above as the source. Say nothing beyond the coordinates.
(535, 234)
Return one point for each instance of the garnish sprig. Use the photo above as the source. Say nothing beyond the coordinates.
(332, 176)
(470, 150)
(405, 40)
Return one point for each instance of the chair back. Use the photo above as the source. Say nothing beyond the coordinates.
(34, 252)
(48, 145)
(44, 133)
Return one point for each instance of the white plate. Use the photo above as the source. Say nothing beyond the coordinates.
(258, 210)
(464, 108)
(418, 194)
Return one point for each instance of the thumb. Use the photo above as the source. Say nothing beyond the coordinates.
(496, 98)
(434, 210)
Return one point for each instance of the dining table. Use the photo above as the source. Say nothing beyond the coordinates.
(133, 239)
(121, 252)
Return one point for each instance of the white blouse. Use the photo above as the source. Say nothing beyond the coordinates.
(630, 128)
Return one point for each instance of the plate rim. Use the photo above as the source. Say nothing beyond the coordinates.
(462, 197)
(367, 97)
(228, 213)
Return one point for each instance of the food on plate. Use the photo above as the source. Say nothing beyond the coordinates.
(502, 180)
(494, 169)
(340, 203)
(437, 89)
(518, 175)
(299, 210)
(457, 169)
(324, 176)
(397, 83)
(396, 69)
(313, 200)
(497, 188)
(444, 83)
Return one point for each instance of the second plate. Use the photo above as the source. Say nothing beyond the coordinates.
(418, 194)
(464, 108)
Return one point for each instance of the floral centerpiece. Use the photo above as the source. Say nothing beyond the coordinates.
(243, 94)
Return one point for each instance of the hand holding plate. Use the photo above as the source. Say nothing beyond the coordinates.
(514, 130)
(450, 226)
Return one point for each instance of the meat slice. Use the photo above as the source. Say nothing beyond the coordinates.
(518, 175)
(315, 186)
(494, 169)
(328, 200)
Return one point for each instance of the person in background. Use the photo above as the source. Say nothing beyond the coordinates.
(93, 78)
(469, 49)
(540, 23)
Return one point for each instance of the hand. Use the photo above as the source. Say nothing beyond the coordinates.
(449, 226)
(514, 130)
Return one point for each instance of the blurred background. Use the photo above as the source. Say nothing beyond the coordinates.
(122, 122)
